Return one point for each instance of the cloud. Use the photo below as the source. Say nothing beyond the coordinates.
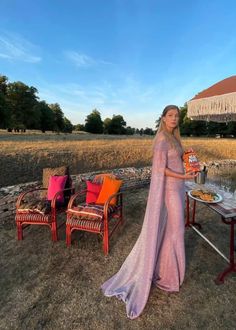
(80, 60)
(78, 101)
(140, 104)
(84, 61)
(5, 56)
(16, 48)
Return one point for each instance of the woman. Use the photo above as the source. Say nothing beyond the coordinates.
(158, 256)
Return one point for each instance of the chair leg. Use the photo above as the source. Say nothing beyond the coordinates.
(106, 243)
(68, 235)
(121, 210)
(54, 231)
(19, 231)
(121, 217)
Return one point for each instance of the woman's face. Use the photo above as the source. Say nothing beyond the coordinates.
(171, 119)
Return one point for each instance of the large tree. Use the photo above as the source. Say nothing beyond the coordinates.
(93, 122)
(231, 128)
(148, 131)
(130, 130)
(190, 127)
(46, 116)
(157, 122)
(79, 127)
(4, 113)
(58, 115)
(21, 109)
(68, 127)
(106, 124)
(213, 128)
(117, 125)
(21, 100)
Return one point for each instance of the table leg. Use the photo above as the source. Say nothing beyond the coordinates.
(196, 224)
(187, 223)
(232, 265)
(192, 222)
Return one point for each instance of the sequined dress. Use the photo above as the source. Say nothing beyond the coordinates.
(158, 256)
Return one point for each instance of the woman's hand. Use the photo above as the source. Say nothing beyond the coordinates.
(190, 175)
(188, 150)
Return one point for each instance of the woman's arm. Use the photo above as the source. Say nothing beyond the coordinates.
(177, 175)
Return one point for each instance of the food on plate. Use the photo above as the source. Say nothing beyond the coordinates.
(204, 195)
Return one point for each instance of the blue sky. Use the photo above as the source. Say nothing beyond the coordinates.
(128, 57)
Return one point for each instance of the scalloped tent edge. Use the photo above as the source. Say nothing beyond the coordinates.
(216, 103)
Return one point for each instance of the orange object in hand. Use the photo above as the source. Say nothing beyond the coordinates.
(191, 163)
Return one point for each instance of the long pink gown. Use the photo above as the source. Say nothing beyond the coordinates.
(158, 256)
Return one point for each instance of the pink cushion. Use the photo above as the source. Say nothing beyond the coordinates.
(56, 183)
(93, 190)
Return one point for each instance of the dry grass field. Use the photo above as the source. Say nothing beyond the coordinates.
(23, 156)
(48, 286)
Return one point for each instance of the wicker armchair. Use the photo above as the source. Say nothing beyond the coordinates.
(33, 208)
(99, 219)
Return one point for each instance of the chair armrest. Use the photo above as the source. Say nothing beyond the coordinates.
(73, 198)
(106, 204)
(53, 201)
(23, 194)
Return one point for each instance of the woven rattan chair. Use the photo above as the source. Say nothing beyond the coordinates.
(32, 208)
(107, 218)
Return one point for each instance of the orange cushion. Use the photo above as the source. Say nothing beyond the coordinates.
(109, 187)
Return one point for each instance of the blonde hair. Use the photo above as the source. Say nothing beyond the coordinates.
(171, 137)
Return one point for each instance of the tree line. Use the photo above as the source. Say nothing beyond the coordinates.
(21, 109)
(115, 125)
(190, 127)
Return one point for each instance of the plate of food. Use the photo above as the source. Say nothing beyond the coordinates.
(205, 196)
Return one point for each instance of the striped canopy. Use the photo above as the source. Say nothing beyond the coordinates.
(216, 103)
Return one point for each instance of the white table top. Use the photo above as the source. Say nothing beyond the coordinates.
(226, 208)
